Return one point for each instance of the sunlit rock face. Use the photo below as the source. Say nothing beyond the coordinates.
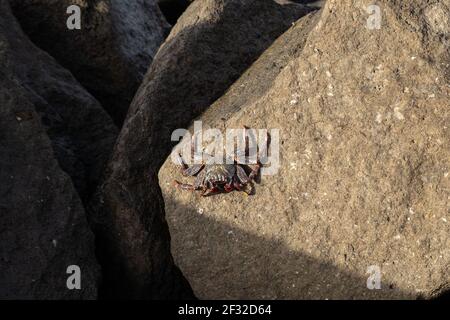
(359, 207)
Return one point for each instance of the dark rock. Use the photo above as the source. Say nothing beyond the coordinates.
(210, 46)
(208, 49)
(81, 132)
(111, 52)
(172, 9)
(43, 227)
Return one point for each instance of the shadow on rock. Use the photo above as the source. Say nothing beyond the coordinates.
(230, 263)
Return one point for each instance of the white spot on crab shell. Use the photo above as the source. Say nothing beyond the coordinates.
(200, 210)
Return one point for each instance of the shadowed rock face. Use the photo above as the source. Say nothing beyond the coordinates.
(364, 171)
(111, 52)
(81, 132)
(54, 141)
(43, 227)
(211, 45)
(173, 9)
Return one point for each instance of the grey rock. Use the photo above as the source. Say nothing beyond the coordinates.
(81, 132)
(364, 167)
(43, 226)
(211, 45)
(111, 52)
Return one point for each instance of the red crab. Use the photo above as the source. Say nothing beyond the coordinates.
(220, 178)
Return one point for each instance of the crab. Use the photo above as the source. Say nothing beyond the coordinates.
(220, 178)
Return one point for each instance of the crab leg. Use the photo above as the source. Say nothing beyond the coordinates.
(209, 192)
(254, 172)
(184, 186)
(186, 170)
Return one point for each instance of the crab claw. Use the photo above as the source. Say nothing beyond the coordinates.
(228, 188)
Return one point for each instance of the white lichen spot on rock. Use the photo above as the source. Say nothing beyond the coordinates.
(398, 114)
(379, 118)
(102, 7)
(437, 18)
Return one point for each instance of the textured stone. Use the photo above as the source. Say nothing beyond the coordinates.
(81, 132)
(364, 177)
(210, 46)
(54, 141)
(43, 227)
(111, 52)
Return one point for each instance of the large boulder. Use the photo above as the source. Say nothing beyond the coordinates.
(81, 132)
(43, 227)
(111, 52)
(210, 46)
(363, 183)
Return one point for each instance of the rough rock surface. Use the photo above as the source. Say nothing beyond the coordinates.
(43, 227)
(210, 46)
(111, 52)
(81, 132)
(364, 176)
